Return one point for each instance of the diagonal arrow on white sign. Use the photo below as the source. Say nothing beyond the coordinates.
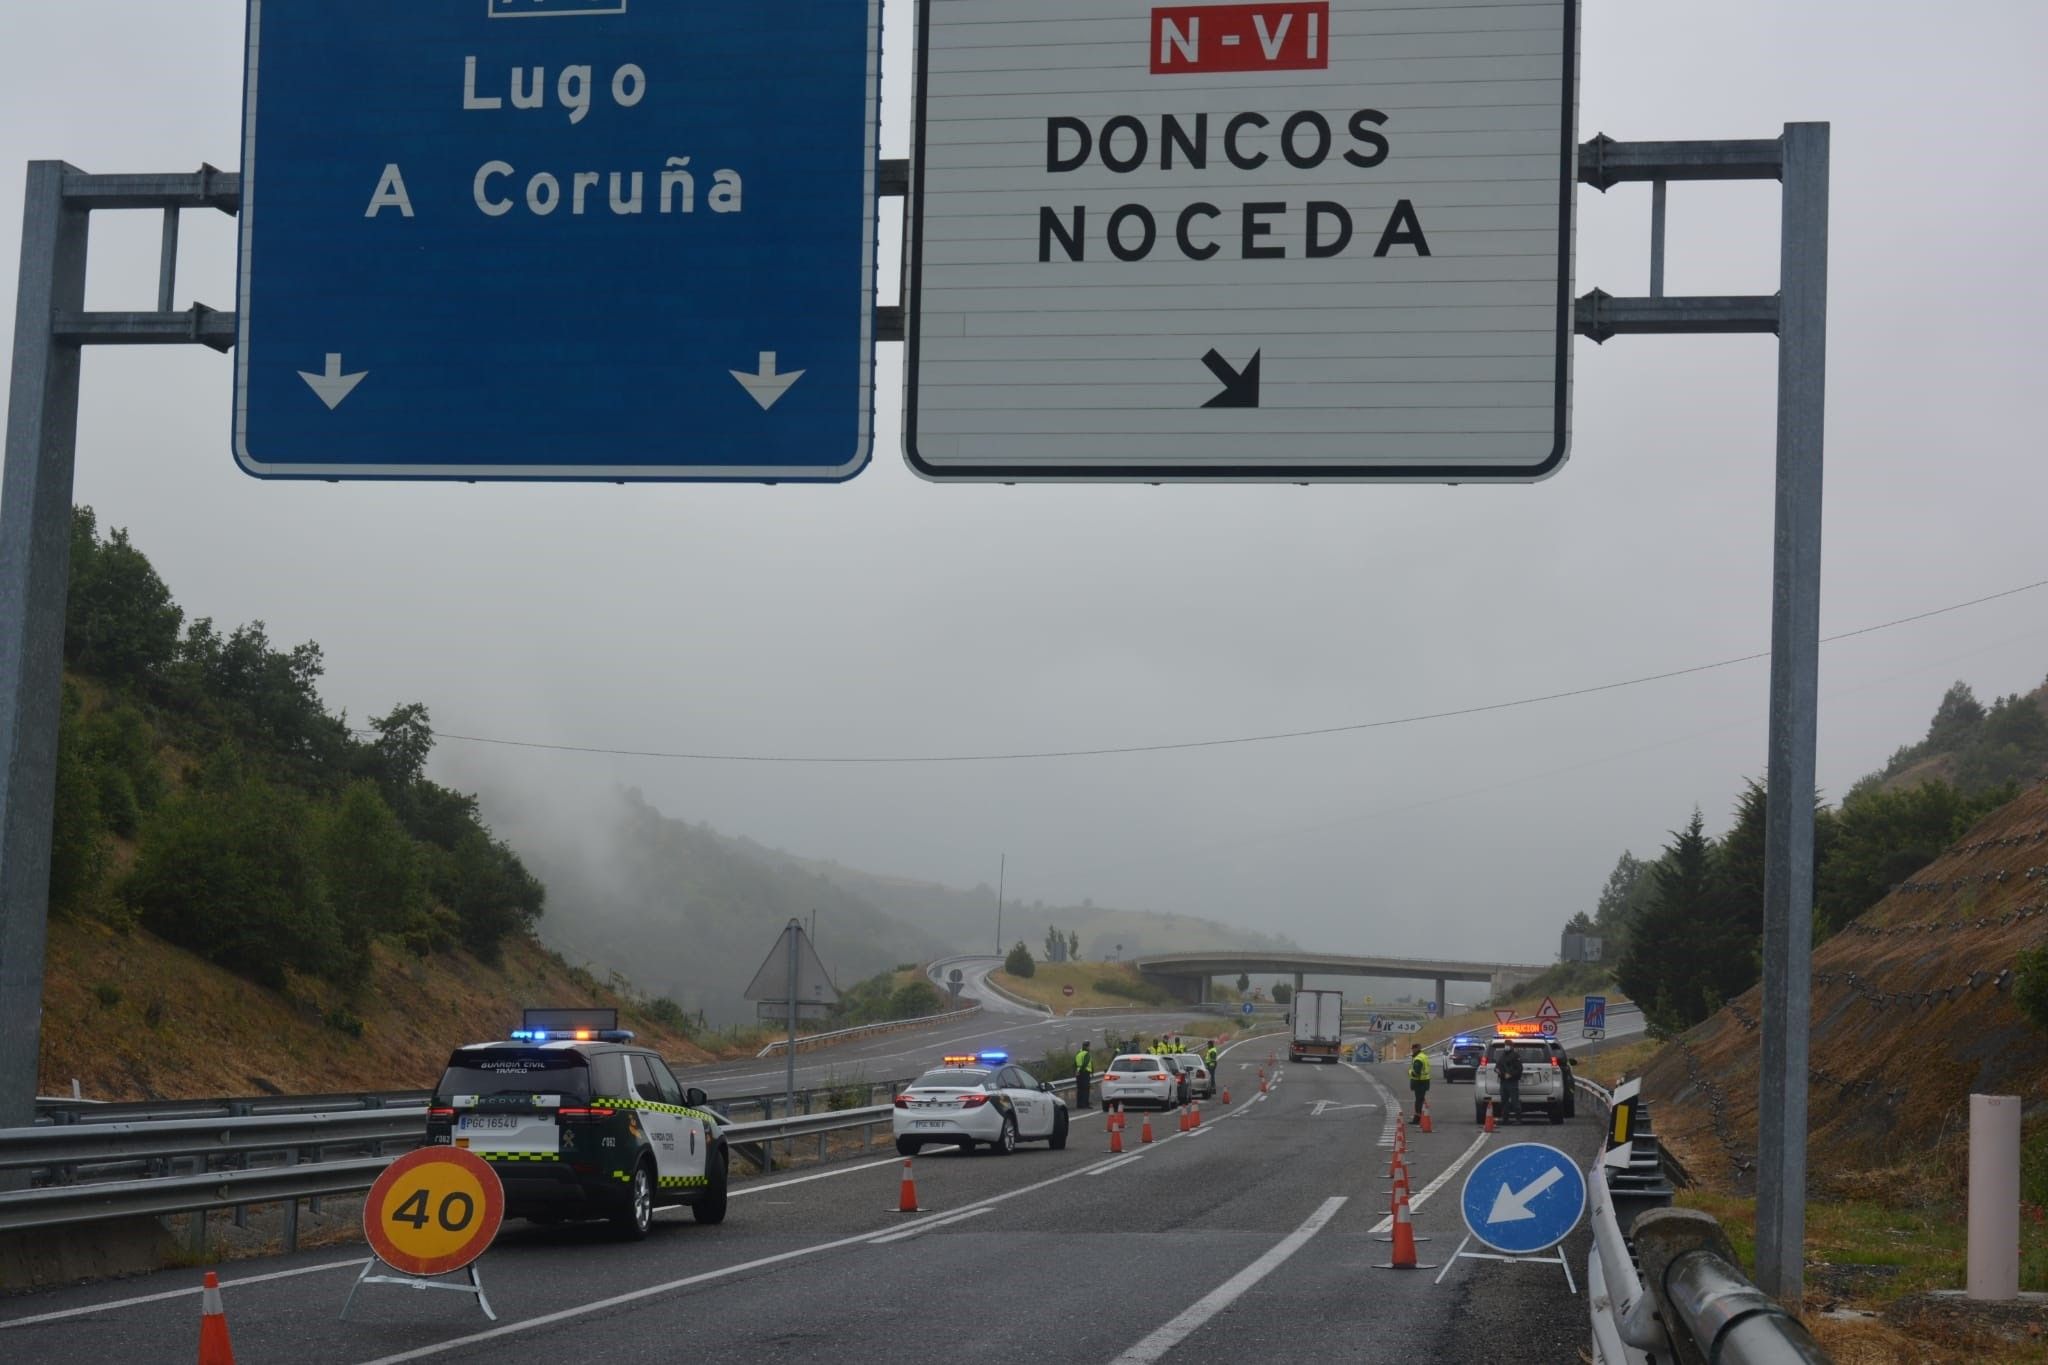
(1513, 1206)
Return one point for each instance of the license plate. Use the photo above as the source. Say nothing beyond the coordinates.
(929, 1123)
(487, 1123)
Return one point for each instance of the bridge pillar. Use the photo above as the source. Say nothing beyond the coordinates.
(1297, 982)
(1441, 1008)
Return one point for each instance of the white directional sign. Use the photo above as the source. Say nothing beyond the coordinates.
(1293, 240)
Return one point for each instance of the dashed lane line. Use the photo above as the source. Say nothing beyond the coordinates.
(925, 1225)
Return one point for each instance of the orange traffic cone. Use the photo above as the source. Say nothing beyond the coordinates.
(1145, 1130)
(1404, 1240)
(1116, 1137)
(1262, 1082)
(1183, 1118)
(1427, 1126)
(907, 1202)
(1226, 1094)
(1196, 1121)
(1489, 1116)
(1398, 1195)
(214, 1346)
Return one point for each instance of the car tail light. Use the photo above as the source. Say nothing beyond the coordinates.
(1160, 1076)
(1554, 1061)
(973, 1101)
(583, 1114)
(903, 1101)
(438, 1113)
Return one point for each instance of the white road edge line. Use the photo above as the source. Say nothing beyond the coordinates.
(926, 1225)
(1112, 1165)
(1232, 1289)
(90, 1309)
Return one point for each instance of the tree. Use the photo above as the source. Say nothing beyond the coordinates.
(1244, 982)
(1073, 945)
(1055, 945)
(2010, 745)
(78, 842)
(371, 867)
(404, 740)
(1683, 953)
(1619, 901)
(1955, 722)
(1282, 993)
(120, 624)
(1882, 838)
(1019, 962)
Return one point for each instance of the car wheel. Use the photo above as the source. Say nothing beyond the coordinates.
(1058, 1141)
(1006, 1141)
(710, 1209)
(1557, 1113)
(636, 1215)
(908, 1146)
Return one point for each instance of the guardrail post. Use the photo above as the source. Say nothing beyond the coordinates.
(291, 1206)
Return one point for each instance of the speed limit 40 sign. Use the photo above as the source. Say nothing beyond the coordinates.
(433, 1211)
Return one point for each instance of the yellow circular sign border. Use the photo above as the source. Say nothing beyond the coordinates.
(486, 1227)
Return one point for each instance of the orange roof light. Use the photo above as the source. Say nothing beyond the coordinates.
(1519, 1029)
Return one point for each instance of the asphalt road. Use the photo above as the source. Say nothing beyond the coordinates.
(1251, 1238)
(1024, 1033)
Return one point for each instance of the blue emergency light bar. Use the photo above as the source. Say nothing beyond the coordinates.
(573, 1035)
(993, 1058)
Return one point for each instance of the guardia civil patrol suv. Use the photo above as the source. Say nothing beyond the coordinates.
(580, 1123)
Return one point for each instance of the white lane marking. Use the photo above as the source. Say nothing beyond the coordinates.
(1388, 1098)
(926, 1225)
(751, 1188)
(1197, 1132)
(670, 1286)
(1433, 1186)
(1232, 1289)
(1120, 1161)
(90, 1309)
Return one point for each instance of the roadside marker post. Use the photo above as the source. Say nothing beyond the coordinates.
(432, 1212)
(1521, 1200)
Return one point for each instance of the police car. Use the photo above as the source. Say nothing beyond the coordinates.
(1462, 1058)
(579, 1123)
(984, 1098)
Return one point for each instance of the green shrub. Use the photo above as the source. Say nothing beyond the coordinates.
(108, 994)
(344, 1021)
(1019, 961)
(2030, 985)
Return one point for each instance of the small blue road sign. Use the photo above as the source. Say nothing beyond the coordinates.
(1524, 1198)
(1595, 1012)
(558, 239)
(1245, 1008)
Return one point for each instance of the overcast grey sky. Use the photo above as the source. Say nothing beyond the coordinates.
(889, 615)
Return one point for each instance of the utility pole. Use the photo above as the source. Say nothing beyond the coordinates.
(1002, 870)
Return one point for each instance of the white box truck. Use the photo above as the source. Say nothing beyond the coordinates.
(1318, 1026)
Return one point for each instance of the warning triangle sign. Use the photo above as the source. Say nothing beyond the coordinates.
(1549, 1010)
(813, 984)
(1504, 1016)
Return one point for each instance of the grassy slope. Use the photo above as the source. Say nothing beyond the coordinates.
(1085, 977)
(172, 1025)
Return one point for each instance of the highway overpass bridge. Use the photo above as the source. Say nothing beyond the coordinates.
(1187, 975)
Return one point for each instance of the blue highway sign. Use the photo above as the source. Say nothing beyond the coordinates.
(558, 239)
(1246, 1008)
(1524, 1198)
(1595, 1013)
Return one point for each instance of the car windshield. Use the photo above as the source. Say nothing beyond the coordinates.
(486, 1073)
(950, 1078)
(1135, 1064)
(1187, 1059)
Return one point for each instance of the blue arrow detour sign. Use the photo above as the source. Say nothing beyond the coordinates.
(1524, 1198)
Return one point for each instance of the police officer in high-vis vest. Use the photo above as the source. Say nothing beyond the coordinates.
(1081, 1069)
(1209, 1060)
(1418, 1077)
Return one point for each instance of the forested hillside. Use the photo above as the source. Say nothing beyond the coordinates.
(247, 894)
(1684, 928)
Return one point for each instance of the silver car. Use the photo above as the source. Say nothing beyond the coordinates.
(1138, 1080)
(1201, 1082)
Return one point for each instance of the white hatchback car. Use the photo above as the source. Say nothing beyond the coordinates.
(985, 1099)
(1140, 1080)
(1201, 1083)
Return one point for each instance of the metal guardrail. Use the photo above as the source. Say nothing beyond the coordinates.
(781, 1045)
(1663, 1284)
(132, 1159)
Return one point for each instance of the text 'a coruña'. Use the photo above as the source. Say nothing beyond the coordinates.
(1200, 230)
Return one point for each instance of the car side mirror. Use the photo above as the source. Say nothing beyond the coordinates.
(1045, 1087)
(695, 1098)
